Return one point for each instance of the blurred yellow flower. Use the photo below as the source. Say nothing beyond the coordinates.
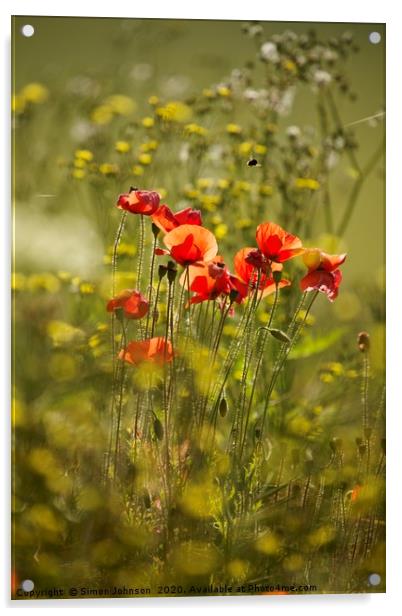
(138, 170)
(145, 159)
(174, 111)
(245, 148)
(308, 183)
(260, 149)
(122, 147)
(266, 190)
(35, 93)
(102, 115)
(196, 129)
(43, 282)
(121, 104)
(224, 91)
(149, 146)
(223, 184)
(289, 65)
(208, 93)
(233, 129)
(79, 163)
(86, 155)
(221, 231)
(205, 183)
(108, 169)
(78, 174)
(148, 122)
(153, 100)
(87, 288)
(17, 104)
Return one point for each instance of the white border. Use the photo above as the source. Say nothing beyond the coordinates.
(293, 10)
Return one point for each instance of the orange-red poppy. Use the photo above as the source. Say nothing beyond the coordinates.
(133, 304)
(276, 244)
(167, 220)
(211, 281)
(156, 350)
(189, 244)
(139, 202)
(252, 271)
(323, 274)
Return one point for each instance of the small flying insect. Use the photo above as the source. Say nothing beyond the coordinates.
(253, 162)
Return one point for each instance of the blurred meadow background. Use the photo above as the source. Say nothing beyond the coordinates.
(181, 107)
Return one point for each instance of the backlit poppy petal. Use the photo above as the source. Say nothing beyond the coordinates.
(139, 202)
(155, 350)
(277, 244)
(201, 247)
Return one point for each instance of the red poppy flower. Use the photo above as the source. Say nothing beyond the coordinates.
(167, 220)
(155, 350)
(211, 281)
(247, 270)
(133, 303)
(139, 202)
(189, 244)
(276, 244)
(323, 274)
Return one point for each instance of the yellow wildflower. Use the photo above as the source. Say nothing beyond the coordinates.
(224, 91)
(195, 129)
(148, 122)
(308, 183)
(108, 169)
(122, 147)
(102, 115)
(145, 159)
(220, 231)
(86, 155)
(35, 93)
(78, 174)
(121, 104)
(153, 100)
(233, 129)
(138, 170)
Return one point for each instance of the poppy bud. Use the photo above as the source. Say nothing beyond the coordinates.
(233, 295)
(119, 312)
(171, 271)
(223, 407)
(162, 271)
(155, 230)
(277, 276)
(158, 429)
(280, 335)
(257, 433)
(363, 342)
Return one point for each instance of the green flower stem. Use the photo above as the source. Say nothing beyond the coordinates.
(283, 354)
(257, 369)
(151, 278)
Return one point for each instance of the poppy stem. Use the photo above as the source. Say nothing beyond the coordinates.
(120, 404)
(119, 233)
(151, 281)
(283, 355)
(243, 436)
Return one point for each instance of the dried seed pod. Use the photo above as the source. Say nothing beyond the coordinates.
(363, 342)
(171, 271)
